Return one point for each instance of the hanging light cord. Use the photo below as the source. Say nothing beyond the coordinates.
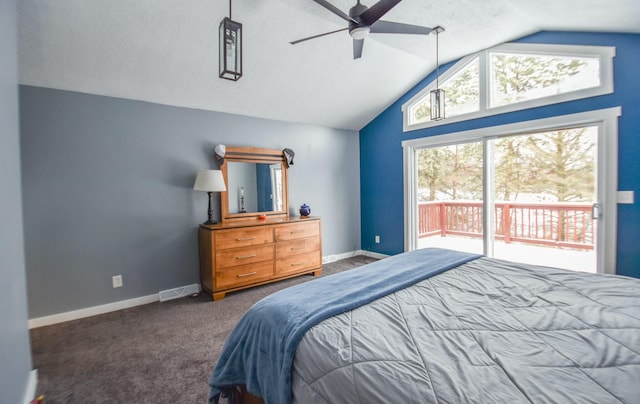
(437, 62)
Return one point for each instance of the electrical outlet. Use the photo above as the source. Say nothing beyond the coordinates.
(116, 281)
(377, 239)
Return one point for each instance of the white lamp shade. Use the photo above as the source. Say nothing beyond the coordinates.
(209, 181)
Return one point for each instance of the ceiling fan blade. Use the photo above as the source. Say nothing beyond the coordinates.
(317, 36)
(376, 11)
(335, 10)
(388, 27)
(357, 48)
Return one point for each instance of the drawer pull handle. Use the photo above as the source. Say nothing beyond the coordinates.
(243, 275)
(297, 248)
(245, 238)
(242, 257)
(295, 264)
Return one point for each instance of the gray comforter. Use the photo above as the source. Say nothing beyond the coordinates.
(488, 331)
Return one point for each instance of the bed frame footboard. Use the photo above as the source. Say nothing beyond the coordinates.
(240, 395)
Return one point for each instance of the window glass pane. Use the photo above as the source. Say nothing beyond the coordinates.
(461, 95)
(419, 112)
(462, 91)
(450, 197)
(517, 77)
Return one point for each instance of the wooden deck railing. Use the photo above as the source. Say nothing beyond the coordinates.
(558, 224)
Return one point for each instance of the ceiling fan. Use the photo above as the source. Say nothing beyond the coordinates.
(364, 20)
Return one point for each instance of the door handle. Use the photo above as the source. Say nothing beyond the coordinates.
(596, 211)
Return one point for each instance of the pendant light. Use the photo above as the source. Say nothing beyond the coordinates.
(230, 48)
(437, 95)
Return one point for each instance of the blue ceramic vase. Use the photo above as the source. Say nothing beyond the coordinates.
(305, 210)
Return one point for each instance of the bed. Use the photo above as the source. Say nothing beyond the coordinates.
(439, 326)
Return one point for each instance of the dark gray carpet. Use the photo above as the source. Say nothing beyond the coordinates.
(156, 353)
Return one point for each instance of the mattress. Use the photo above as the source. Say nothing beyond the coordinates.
(486, 331)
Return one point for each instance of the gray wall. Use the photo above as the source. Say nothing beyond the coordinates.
(108, 190)
(15, 352)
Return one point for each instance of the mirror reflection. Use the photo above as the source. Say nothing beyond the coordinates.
(254, 187)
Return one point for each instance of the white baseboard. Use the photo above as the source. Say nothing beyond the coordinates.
(372, 254)
(162, 296)
(332, 258)
(91, 311)
(32, 387)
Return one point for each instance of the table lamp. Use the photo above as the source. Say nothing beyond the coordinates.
(209, 181)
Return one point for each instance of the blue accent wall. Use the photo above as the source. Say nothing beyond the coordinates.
(381, 182)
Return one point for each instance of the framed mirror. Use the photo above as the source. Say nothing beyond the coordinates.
(256, 182)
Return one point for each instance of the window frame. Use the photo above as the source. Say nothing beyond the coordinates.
(605, 54)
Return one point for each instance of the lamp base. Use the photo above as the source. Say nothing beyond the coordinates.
(210, 219)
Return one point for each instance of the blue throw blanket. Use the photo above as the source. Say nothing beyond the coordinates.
(259, 352)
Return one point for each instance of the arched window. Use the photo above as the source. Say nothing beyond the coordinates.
(513, 77)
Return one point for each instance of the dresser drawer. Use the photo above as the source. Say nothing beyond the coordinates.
(243, 275)
(245, 255)
(243, 237)
(297, 246)
(298, 263)
(298, 230)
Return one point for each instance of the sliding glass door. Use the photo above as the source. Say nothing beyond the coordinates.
(534, 197)
(544, 192)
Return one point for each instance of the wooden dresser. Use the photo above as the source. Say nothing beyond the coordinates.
(236, 256)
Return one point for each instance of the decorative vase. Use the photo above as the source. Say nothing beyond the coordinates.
(305, 210)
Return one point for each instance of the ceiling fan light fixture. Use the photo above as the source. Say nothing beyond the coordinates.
(359, 32)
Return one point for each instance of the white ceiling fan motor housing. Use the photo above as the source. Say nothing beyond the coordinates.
(359, 32)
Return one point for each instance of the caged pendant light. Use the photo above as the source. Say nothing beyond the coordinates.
(230, 48)
(437, 95)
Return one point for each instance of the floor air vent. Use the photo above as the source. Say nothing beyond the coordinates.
(179, 292)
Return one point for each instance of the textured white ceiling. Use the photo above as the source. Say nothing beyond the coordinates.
(166, 51)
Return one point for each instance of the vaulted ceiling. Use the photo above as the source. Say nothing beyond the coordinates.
(166, 51)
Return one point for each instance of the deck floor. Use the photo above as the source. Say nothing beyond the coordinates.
(575, 260)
